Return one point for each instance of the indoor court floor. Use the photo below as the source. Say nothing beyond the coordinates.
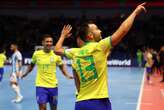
(127, 89)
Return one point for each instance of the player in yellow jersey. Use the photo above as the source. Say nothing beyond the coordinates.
(90, 61)
(2, 61)
(149, 64)
(46, 81)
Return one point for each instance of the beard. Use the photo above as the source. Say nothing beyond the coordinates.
(47, 49)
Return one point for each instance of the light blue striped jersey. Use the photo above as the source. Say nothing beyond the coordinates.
(16, 57)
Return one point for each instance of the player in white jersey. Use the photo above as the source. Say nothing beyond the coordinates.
(16, 72)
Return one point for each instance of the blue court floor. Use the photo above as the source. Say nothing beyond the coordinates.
(124, 88)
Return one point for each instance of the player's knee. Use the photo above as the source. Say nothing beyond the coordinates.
(12, 81)
(13, 86)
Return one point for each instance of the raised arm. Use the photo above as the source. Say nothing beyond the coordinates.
(65, 72)
(64, 34)
(127, 24)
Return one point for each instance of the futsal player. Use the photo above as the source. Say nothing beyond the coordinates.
(90, 61)
(2, 61)
(16, 72)
(149, 63)
(161, 63)
(46, 81)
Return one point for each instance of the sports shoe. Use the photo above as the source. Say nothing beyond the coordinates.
(18, 99)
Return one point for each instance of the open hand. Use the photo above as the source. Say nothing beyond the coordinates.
(66, 31)
(140, 8)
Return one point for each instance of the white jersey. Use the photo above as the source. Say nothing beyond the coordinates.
(16, 57)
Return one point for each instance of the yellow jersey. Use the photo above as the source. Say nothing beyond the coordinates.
(2, 60)
(149, 60)
(46, 68)
(90, 64)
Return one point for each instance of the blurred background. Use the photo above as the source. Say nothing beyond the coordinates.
(25, 21)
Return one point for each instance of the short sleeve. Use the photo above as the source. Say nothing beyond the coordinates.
(19, 57)
(59, 60)
(68, 53)
(105, 44)
(34, 58)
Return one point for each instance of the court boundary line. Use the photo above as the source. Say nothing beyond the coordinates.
(141, 92)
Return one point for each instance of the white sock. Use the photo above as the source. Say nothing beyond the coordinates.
(17, 90)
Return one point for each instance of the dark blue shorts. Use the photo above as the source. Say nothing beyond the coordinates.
(148, 70)
(47, 95)
(94, 104)
(1, 73)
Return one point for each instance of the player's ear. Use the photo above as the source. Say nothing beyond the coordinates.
(90, 36)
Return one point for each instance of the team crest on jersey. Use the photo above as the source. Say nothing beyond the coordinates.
(51, 59)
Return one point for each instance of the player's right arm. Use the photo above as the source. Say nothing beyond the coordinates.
(64, 34)
(126, 25)
(31, 66)
(29, 69)
(62, 67)
(65, 72)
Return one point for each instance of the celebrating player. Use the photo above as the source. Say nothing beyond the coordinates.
(46, 81)
(90, 61)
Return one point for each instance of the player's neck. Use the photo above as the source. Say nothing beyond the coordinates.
(15, 50)
(46, 50)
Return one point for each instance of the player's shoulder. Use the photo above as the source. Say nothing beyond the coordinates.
(54, 54)
(2, 54)
(18, 52)
(36, 52)
(106, 39)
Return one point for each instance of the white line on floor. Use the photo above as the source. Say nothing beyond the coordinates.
(141, 92)
(131, 103)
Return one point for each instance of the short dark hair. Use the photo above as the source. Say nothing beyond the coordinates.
(46, 36)
(82, 30)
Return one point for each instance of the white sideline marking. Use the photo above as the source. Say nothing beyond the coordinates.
(141, 92)
(131, 103)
